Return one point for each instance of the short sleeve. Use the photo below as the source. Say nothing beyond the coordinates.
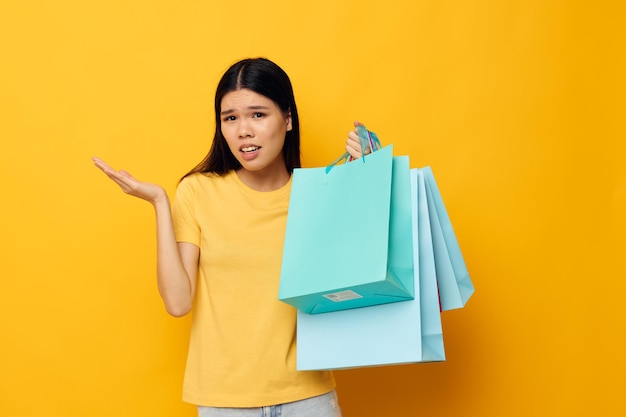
(186, 226)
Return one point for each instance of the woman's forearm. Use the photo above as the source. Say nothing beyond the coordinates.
(175, 283)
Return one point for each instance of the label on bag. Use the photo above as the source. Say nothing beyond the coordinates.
(340, 296)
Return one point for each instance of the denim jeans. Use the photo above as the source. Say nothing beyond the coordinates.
(321, 406)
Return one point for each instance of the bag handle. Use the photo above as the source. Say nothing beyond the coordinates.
(366, 139)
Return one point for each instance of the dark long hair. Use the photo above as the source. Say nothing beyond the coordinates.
(263, 77)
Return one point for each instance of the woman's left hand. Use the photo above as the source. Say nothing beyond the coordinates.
(353, 144)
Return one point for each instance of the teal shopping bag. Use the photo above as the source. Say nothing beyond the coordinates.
(348, 240)
(431, 330)
(390, 334)
(454, 282)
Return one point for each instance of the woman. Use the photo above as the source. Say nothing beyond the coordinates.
(219, 252)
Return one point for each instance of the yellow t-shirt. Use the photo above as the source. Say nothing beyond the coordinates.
(242, 346)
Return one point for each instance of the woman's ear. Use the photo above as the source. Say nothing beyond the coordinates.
(288, 121)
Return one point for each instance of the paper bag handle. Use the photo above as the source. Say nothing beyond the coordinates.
(366, 138)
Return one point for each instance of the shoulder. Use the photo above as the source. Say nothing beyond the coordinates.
(202, 181)
(198, 179)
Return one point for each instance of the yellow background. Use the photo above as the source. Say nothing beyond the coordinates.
(517, 105)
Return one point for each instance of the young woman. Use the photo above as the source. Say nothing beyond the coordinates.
(219, 253)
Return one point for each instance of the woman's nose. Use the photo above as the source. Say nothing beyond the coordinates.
(244, 130)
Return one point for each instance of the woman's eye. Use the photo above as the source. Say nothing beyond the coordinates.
(229, 118)
(257, 115)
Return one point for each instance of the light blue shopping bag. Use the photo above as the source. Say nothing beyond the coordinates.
(348, 242)
(390, 334)
(455, 285)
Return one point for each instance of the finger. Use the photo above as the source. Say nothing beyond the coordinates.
(357, 123)
(355, 142)
(110, 172)
(353, 147)
(121, 178)
(126, 174)
(353, 152)
(101, 164)
(356, 153)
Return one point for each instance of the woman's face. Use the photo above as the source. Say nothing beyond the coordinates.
(255, 130)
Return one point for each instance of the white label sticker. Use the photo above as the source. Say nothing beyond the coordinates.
(340, 296)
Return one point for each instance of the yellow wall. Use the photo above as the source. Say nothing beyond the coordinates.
(517, 105)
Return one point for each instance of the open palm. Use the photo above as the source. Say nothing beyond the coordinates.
(130, 185)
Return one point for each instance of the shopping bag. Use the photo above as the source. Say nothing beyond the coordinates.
(454, 283)
(390, 334)
(348, 242)
(432, 334)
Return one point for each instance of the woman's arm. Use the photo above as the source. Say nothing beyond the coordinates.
(177, 263)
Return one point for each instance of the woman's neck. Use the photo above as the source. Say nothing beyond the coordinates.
(263, 180)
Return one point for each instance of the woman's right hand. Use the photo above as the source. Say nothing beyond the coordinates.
(177, 263)
(152, 193)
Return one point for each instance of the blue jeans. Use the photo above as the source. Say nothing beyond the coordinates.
(321, 406)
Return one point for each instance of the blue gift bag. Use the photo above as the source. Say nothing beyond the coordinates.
(455, 285)
(348, 240)
(406, 332)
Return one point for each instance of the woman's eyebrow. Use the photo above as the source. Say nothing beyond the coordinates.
(229, 111)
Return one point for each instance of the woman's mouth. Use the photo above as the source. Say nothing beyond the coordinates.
(249, 149)
(249, 152)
